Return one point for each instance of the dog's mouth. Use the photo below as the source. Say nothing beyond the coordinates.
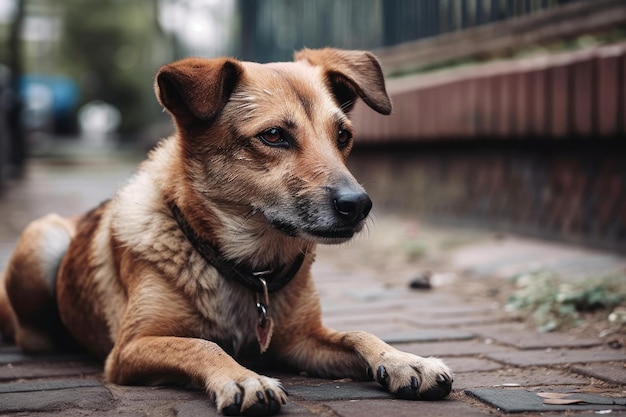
(336, 234)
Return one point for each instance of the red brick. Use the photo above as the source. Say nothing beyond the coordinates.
(504, 126)
(496, 116)
(608, 96)
(483, 107)
(559, 102)
(521, 106)
(537, 111)
(583, 98)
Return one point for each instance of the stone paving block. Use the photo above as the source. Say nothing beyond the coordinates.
(12, 354)
(452, 348)
(536, 340)
(610, 372)
(375, 294)
(158, 400)
(504, 258)
(46, 370)
(599, 413)
(469, 364)
(358, 316)
(381, 317)
(377, 328)
(358, 310)
(207, 409)
(48, 385)
(129, 394)
(455, 309)
(337, 390)
(428, 335)
(87, 398)
(489, 331)
(398, 300)
(556, 356)
(460, 320)
(523, 377)
(196, 408)
(401, 408)
(518, 401)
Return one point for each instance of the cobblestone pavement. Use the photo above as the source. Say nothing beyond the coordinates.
(501, 364)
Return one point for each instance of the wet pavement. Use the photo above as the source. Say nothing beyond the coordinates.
(501, 363)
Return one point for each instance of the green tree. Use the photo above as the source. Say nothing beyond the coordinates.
(108, 48)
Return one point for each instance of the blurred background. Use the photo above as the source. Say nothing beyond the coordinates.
(508, 114)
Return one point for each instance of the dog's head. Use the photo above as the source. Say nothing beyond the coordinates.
(272, 139)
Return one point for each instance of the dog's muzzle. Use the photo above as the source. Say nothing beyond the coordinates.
(333, 216)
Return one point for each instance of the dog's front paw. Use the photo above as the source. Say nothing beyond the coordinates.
(252, 395)
(411, 377)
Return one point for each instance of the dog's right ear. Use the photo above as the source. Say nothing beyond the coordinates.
(351, 74)
(196, 88)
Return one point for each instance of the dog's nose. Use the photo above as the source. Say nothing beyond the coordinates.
(351, 206)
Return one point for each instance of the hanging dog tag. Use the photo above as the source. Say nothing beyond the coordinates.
(264, 334)
(265, 325)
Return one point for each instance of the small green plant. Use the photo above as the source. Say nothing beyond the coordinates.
(415, 250)
(553, 304)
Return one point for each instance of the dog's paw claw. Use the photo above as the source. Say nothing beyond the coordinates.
(267, 405)
(273, 403)
(382, 376)
(233, 409)
(439, 391)
(409, 392)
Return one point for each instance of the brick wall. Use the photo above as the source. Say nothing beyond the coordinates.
(531, 146)
(580, 94)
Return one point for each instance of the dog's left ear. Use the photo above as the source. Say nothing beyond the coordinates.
(351, 73)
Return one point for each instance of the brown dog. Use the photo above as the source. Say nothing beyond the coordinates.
(204, 256)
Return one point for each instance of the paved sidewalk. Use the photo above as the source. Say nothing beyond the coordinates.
(501, 364)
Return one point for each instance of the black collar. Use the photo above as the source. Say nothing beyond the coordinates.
(276, 278)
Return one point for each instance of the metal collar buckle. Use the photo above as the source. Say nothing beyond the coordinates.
(262, 305)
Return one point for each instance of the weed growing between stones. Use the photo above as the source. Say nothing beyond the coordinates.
(553, 304)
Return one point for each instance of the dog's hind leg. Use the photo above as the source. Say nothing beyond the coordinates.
(30, 316)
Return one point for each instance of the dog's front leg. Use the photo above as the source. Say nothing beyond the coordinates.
(236, 390)
(325, 352)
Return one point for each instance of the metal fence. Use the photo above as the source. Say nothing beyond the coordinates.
(406, 20)
(272, 29)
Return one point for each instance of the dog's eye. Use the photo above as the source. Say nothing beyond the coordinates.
(274, 137)
(343, 138)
